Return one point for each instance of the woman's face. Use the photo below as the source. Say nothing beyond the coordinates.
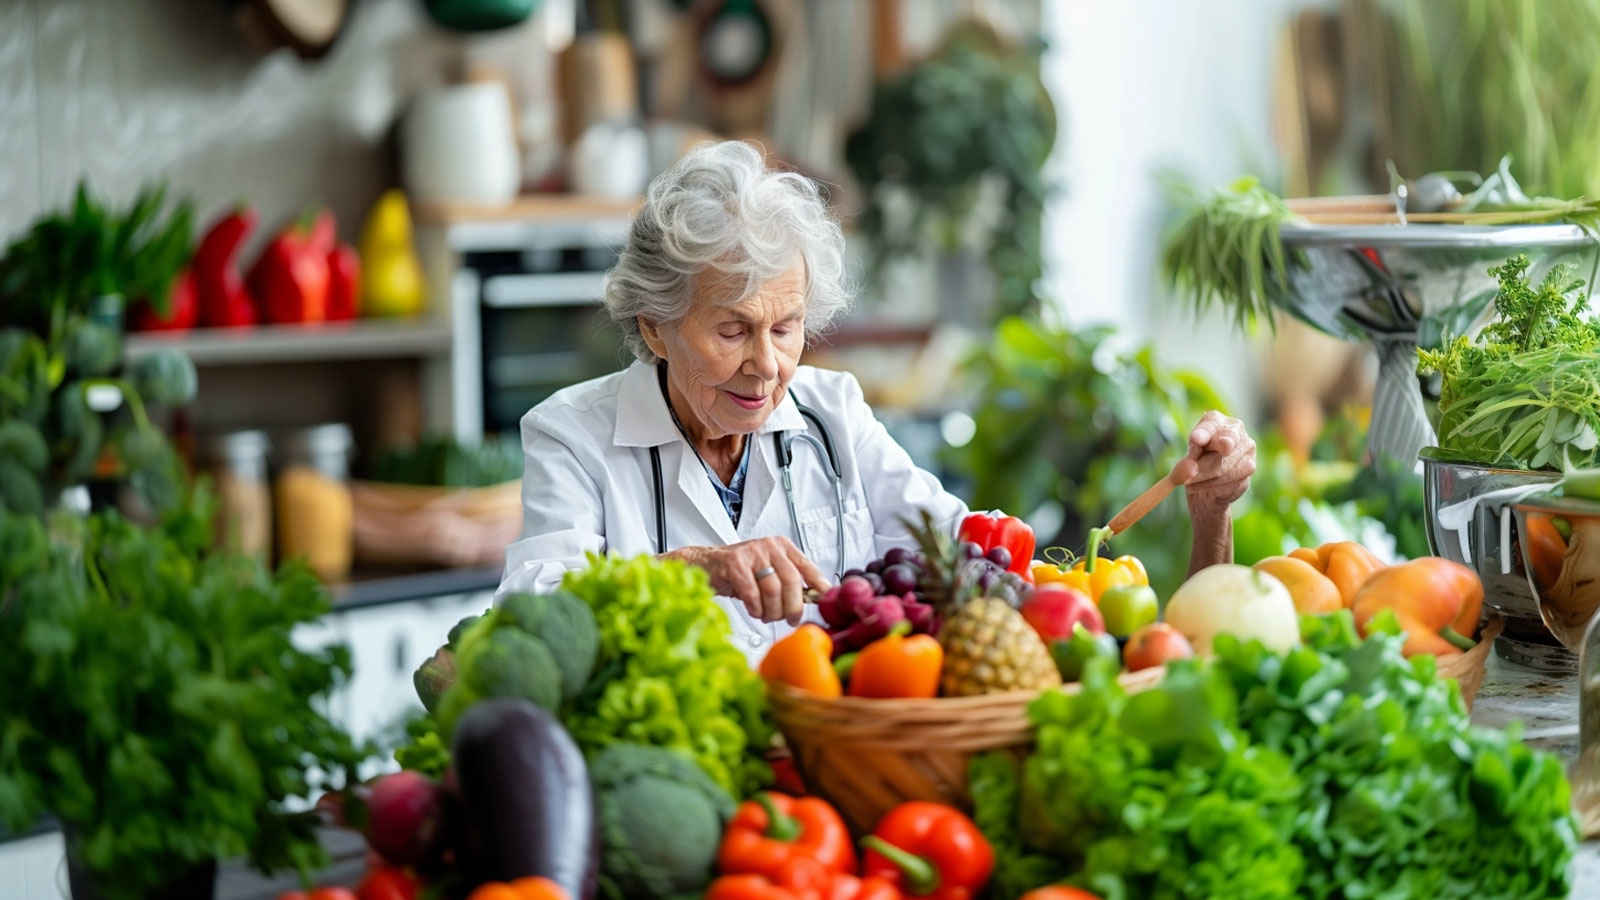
(728, 365)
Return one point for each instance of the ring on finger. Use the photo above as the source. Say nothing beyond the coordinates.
(768, 572)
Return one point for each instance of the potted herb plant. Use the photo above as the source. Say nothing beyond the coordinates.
(966, 130)
(71, 411)
(157, 707)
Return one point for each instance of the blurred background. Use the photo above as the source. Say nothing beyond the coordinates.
(457, 176)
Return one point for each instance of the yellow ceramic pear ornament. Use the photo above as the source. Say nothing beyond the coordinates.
(392, 284)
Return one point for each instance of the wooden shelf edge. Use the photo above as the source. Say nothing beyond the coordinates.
(528, 206)
(299, 343)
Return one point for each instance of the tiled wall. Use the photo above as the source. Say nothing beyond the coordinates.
(124, 91)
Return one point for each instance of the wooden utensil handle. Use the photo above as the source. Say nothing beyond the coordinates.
(1141, 505)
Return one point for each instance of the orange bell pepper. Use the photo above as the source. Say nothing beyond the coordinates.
(898, 666)
(531, 888)
(804, 661)
(1546, 549)
(1092, 575)
(1346, 563)
(772, 829)
(1437, 602)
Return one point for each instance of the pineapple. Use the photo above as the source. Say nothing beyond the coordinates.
(988, 646)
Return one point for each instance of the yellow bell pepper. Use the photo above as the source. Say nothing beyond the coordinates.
(1091, 574)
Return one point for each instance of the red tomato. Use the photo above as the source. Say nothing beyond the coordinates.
(388, 883)
(332, 893)
(294, 895)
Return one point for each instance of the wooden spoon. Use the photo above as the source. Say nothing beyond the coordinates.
(1142, 505)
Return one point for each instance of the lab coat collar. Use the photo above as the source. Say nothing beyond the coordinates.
(643, 419)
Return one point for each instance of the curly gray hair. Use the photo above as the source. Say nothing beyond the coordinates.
(721, 208)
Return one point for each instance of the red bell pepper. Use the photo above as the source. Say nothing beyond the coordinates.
(183, 307)
(224, 300)
(388, 883)
(929, 850)
(766, 833)
(802, 879)
(291, 277)
(344, 283)
(1009, 532)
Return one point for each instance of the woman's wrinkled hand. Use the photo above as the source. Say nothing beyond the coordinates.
(1217, 469)
(733, 570)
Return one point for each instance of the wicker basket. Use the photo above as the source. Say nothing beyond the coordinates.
(1468, 668)
(411, 524)
(866, 756)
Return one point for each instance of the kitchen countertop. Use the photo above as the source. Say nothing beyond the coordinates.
(380, 586)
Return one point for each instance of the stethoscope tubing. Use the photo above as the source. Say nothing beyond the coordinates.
(783, 444)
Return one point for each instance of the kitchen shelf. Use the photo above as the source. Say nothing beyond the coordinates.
(376, 339)
(541, 207)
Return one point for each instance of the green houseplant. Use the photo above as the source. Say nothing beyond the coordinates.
(88, 260)
(1062, 417)
(973, 113)
(70, 409)
(156, 705)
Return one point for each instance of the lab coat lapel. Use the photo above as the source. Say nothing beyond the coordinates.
(764, 510)
(694, 483)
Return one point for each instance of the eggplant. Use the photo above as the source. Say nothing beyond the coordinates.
(528, 806)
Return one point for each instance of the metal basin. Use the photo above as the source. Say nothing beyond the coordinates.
(1560, 551)
(1488, 541)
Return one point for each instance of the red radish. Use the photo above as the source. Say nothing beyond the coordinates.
(1052, 610)
(882, 614)
(835, 610)
(403, 815)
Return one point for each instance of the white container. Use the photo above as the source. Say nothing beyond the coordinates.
(610, 160)
(458, 145)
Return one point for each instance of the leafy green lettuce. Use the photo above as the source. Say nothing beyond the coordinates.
(667, 672)
(1339, 769)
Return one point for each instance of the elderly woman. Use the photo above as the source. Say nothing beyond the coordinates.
(717, 447)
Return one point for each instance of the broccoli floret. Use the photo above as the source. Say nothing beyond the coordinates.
(565, 625)
(499, 662)
(166, 378)
(453, 639)
(661, 820)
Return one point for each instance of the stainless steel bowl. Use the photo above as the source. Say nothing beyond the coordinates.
(1560, 551)
(1489, 543)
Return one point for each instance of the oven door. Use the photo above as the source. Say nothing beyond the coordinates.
(542, 332)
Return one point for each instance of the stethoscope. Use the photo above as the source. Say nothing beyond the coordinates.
(783, 445)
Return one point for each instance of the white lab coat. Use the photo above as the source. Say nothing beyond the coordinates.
(587, 485)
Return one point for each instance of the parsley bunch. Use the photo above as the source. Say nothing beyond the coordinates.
(1526, 394)
(155, 703)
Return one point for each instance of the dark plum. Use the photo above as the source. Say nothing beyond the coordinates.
(875, 567)
(1000, 556)
(876, 580)
(986, 581)
(899, 578)
(857, 572)
(895, 556)
(971, 550)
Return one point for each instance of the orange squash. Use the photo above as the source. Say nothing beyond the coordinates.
(1437, 602)
(1546, 549)
(1313, 592)
(1346, 563)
